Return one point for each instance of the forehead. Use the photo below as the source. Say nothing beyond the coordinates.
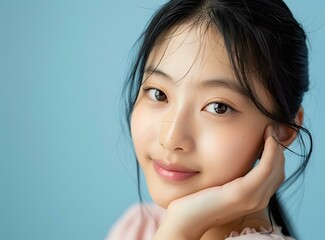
(190, 54)
(194, 52)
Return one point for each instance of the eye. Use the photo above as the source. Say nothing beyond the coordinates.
(156, 94)
(218, 108)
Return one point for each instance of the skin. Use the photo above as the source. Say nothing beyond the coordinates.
(191, 113)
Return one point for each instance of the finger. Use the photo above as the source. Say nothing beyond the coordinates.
(270, 165)
(273, 163)
(269, 132)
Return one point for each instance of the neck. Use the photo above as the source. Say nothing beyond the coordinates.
(254, 220)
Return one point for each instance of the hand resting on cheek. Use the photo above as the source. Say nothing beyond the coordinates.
(191, 216)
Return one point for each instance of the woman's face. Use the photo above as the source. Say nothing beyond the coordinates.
(192, 125)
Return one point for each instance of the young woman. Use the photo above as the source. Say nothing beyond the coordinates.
(213, 99)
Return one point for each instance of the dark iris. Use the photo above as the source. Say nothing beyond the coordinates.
(220, 108)
(160, 96)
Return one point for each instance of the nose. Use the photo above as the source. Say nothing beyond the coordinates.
(176, 136)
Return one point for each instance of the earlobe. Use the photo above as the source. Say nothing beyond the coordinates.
(286, 135)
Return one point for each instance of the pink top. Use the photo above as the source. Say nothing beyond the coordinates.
(136, 226)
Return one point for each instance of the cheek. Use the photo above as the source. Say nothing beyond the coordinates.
(142, 129)
(138, 124)
(230, 153)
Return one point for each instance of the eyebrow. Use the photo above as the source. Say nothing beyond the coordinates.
(217, 82)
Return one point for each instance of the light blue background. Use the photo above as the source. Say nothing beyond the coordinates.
(66, 171)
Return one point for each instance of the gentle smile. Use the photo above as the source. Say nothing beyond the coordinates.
(173, 173)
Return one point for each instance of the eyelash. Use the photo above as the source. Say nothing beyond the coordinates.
(219, 104)
(147, 90)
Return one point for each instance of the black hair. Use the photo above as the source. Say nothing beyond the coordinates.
(261, 37)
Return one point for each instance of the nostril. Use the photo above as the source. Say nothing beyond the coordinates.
(171, 148)
(174, 136)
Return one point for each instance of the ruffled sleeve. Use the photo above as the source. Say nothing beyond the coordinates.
(139, 222)
(263, 234)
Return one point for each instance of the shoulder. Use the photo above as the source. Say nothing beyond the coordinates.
(140, 221)
(263, 234)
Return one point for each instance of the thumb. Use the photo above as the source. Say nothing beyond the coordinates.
(269, 132)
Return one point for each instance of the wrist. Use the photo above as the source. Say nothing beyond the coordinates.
(171, 228)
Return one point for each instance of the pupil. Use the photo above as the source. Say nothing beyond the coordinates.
(160, 96)
(220, 108)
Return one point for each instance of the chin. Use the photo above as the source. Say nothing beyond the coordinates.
(164, 198)
(162, 201)
(162, 204)
(160, 198)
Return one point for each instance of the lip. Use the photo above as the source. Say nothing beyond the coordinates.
(173, 172)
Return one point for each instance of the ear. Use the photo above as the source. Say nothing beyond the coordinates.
(287, 135)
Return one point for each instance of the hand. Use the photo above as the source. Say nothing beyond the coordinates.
(191, 216)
